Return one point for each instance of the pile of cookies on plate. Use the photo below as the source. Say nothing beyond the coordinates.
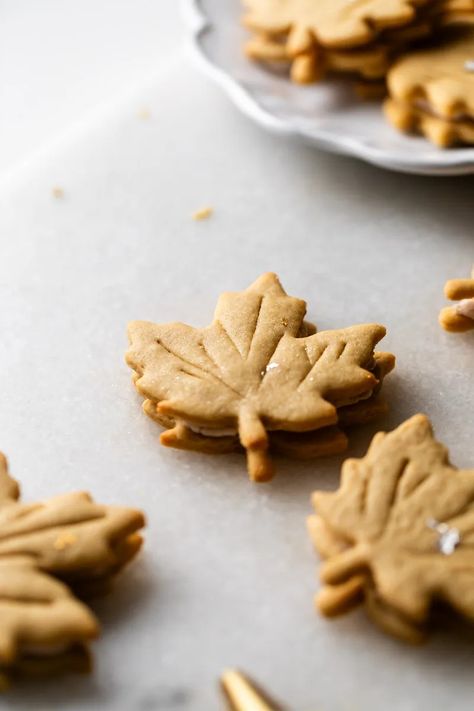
(416, 54)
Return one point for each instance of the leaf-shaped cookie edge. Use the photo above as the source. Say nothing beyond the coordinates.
(144, 358)
(348, 32)
(71, 624)
(40, 613)
(402, 590)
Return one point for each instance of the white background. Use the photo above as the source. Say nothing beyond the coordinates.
(227, 575)
(61, 59)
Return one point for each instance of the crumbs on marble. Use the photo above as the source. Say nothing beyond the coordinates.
(203, 214)
(144, 114)
(57, 192)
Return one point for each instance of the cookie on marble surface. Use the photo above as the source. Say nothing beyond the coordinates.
(49, 552)
(460, 317)
(398, 533)
(253, 374)
(298, 445)
(432, 90)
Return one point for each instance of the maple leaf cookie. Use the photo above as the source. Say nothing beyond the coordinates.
(398, 534)
(432, 91)
(258, 378)
(460, 317)
(49, 552)
(331, 23)
(319, 37)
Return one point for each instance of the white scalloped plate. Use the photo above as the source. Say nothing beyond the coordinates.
(327, 115)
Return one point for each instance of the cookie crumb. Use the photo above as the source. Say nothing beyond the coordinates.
(64, 540)
(57, 192)
(144, 114)
(203, 214)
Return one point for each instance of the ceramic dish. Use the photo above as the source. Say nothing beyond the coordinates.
(327, 115)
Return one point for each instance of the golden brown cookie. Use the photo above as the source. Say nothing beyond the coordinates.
(398, 533)
(411, 119)
(432, 90)
(460, 317)
(307, 67)
(452, 12)
(47, 550)
(299, 445)
(250, 373)
(319, 38)
(330, 23)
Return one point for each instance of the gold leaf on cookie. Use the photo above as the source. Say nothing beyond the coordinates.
(398, 532)
(253, 370)
(49, 551)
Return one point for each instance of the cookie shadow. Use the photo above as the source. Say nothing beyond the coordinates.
(127, 597)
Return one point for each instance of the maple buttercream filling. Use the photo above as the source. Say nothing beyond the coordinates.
(465, 308)
(232, 431)
(354, 400)
(223, 432)
(425, 106)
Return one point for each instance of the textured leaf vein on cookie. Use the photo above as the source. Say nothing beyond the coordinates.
(390, 515)
(253, 369)
(45, 549)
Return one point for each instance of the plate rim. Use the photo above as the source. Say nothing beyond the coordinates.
(197, 23)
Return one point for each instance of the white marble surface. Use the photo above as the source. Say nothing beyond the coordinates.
(227, 574)
(61, 60)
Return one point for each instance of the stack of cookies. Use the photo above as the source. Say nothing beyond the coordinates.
(53, 554)
(432, 91)
(460, 317)
(319, 38)
(258, 379)
(397, 535)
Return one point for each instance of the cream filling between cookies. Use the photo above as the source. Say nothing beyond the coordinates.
(233, 432)
(425, 106)
(354, 400)
(465, 308)
(224, 432)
